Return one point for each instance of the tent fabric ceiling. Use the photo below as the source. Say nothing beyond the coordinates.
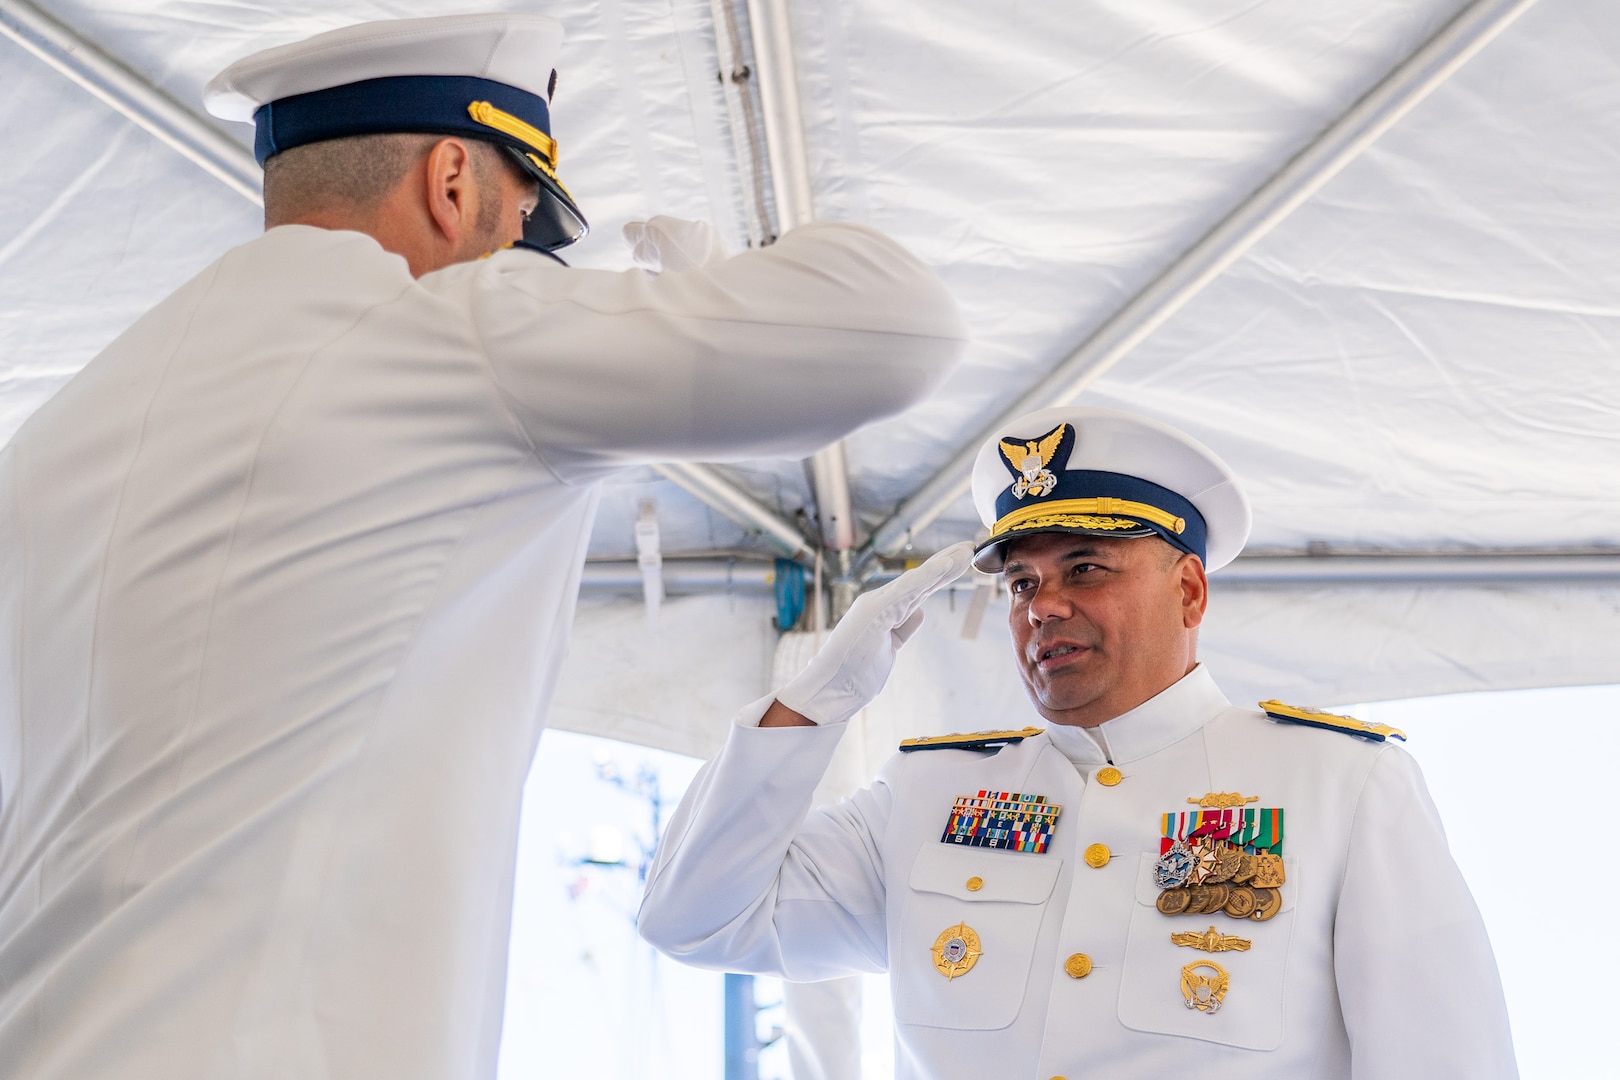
(1422, 357)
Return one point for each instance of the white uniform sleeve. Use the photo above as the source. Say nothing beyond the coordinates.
(749, 879)
(774, 352)
(1417, 980)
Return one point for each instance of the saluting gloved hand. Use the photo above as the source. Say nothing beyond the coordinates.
(666, 243)
(855, 662)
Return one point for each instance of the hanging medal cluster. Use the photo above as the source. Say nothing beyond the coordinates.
(1225, 856)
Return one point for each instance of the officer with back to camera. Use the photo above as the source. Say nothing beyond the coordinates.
(1157, 883)
(287, 571)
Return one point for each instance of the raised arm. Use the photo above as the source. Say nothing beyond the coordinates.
(774, 352)
(748, 877)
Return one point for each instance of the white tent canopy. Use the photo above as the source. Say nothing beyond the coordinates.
(1413, 367)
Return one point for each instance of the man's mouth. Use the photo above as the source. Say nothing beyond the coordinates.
(1057, 655)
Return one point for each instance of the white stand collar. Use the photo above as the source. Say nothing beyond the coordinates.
(1168, 717)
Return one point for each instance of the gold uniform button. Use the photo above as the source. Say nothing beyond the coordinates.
(1077, 966)
(1108, 776)
(1097, 856)
(974, 884)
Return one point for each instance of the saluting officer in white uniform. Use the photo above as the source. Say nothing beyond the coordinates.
(287, 571)
(1158, 883)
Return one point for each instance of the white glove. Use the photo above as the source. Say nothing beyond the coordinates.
(666, 243)
(853, 665)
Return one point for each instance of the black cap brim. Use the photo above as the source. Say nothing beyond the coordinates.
(991, 556)
(557, 220)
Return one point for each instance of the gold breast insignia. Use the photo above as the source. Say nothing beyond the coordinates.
(956, 950)
(1223, 800)
(1211, 941)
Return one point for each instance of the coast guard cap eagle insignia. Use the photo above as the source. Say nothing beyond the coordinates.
(1096, 472)
(1029, 460)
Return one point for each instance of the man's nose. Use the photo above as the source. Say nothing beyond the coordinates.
(1049, 602)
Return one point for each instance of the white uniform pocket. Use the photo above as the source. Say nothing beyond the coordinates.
(1001, 896)
(1150, 997)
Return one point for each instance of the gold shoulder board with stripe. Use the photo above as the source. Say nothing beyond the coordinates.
(977, 740)
(1296, 714)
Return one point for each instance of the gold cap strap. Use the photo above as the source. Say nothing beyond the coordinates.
(507, 124)
(1100, 509)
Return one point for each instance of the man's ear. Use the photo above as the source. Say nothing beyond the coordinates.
(452, 194)
(1194, 591)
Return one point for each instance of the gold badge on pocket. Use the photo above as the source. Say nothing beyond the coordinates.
(956, 950)
(1204, 992)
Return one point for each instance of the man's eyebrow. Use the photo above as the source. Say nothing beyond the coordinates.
(1081, 551)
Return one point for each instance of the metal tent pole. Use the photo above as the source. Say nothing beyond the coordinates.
(741, 507)
(1379, 110)
(776, 75)
(147, 106)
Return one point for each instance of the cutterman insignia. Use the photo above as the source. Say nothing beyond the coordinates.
(1366, 729)
(975, 740)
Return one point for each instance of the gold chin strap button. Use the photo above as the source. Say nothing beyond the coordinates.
(1108, 776)
(1097, 856)
(974, 884)
(1077, 966)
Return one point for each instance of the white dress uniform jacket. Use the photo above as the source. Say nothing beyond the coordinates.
(286, 574)
(1376, 968)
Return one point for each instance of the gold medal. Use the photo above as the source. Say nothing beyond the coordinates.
(1199, 896)
(1245, 870)
(956, 950)
(1204, 992)
(1268, 871)
(1173, 901)
(1267, 902)
(1203, 862)
(1219, 894)
(1241, 904)
(1228, 860)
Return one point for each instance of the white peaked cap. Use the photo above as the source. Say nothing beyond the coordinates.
(518, 50)
(1107, 441)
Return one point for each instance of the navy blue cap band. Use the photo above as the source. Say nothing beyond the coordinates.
(1102, 503)
(426, 104)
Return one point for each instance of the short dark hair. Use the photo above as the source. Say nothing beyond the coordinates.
(360, 170)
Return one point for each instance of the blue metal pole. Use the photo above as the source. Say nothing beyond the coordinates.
(742, 1029)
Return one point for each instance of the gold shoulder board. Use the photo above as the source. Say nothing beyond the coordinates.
(1296, 714)
(977, 740)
